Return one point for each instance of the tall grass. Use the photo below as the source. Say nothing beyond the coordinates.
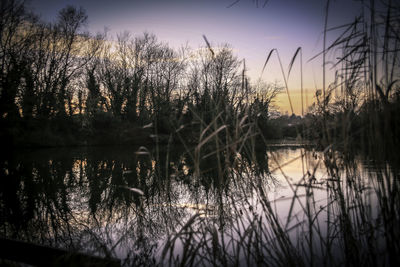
(357, 221)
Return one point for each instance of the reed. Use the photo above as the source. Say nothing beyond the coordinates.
(357, 220)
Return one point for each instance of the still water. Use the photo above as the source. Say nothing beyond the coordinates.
(129, 203)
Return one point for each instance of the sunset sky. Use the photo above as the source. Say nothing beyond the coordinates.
(251, 28)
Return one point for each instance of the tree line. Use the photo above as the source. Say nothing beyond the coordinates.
(61, 85)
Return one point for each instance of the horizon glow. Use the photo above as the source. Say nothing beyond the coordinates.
(251, 30)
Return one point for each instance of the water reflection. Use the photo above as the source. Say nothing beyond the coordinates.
(80, 199)
(125, 202)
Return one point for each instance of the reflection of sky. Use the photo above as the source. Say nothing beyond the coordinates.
(252, 31)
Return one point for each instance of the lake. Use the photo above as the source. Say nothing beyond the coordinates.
(153, 206)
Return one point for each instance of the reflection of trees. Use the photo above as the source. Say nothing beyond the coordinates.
(35, 199)
(79, 199)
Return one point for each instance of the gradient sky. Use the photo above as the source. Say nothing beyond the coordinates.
(251, 29)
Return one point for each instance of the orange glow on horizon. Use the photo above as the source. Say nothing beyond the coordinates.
(282, 103)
